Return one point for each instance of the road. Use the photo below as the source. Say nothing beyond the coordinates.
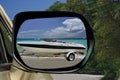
(76, 77)
(49, 62)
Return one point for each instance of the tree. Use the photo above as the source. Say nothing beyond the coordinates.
(57, 6)
(107, 32)
(76, 6)
(103, 16)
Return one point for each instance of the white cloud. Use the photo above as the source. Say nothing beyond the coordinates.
(74, 24)
(73, 28)
(29, 34)
(29, 31)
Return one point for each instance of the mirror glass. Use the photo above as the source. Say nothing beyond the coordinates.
(49, 43)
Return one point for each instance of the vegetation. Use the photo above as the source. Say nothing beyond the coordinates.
(104, 18)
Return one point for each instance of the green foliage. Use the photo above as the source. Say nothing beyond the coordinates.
(57, 6)
(104, 18)
(111, 71)
(75, 6)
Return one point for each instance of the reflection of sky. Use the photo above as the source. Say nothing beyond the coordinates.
(42, 24)
(62, 27)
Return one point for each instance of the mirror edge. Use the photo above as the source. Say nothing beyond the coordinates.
(21, 17)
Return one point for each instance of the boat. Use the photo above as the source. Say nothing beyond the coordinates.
(50, 43)
(55, 47)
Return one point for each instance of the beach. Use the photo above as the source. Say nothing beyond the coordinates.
(47, 58)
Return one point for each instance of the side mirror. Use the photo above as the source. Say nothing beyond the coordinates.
(55, 42)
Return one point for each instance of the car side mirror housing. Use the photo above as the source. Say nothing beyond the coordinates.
(53, 42)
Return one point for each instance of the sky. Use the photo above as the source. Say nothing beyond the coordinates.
(12, 7)
(60, 27)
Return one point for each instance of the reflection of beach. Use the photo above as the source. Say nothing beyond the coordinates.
(49, 62)
(50, 58)
(47, 52)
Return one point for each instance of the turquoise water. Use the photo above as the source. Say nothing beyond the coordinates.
(71, 40)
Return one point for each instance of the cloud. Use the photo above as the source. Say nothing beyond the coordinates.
(29, 31)
(29, 34)
(72, 28)
(74, 24)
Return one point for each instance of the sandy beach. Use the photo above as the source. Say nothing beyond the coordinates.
(46, 58)
(49, 62)
(47, 52)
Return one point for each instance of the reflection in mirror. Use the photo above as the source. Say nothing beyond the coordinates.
(48, 43)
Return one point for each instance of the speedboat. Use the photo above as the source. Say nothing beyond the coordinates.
(50, 43)
(55, 47)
